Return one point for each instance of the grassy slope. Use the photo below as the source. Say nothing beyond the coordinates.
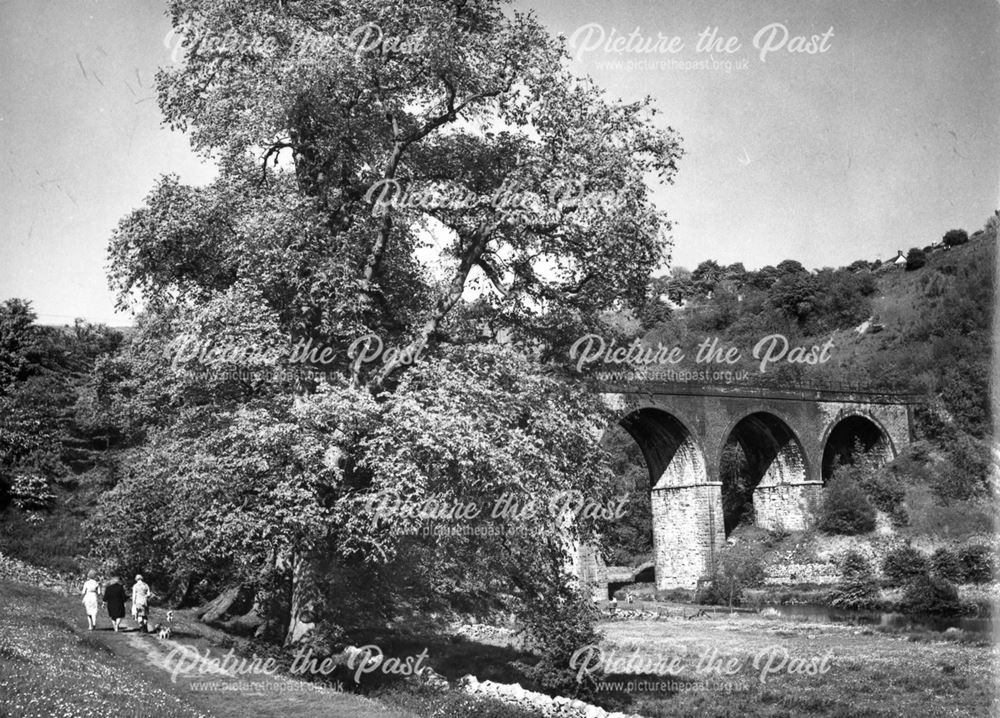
(900, 300)
(932, 523)
(898, 304)
(50, 665)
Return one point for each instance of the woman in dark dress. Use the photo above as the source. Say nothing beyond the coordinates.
(114, 599)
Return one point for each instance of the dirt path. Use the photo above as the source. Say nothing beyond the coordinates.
(64, 664)
(191, 667)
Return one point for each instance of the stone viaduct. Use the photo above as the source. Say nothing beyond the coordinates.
(792, 439)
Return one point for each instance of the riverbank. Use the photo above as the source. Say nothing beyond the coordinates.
(685, 663)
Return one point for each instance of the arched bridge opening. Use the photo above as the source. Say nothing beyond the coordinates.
(761, 459)
(851, 435)
(671, 455)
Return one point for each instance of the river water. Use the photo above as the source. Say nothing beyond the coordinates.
(826, 614)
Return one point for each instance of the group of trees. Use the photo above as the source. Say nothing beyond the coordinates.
(928, 583)
(43, 371)
(742, 306)
(270, 483)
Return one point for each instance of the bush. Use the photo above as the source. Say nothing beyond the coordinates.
(855, 564)
(964, 476)
(902, 565)
(886, 490)
(556, 626)
(955, 237)
(739, 567)
(674, 595)
(31, 492)
(858, 589)
(883, 485)
(977, 564)
(931, 594)
(915, 259)
(946, 564)
(845, 509)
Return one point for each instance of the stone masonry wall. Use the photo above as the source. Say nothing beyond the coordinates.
(786, 506)
(687, 529)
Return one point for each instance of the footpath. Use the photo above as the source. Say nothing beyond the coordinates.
(51, 665)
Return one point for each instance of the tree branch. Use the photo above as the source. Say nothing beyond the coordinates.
(446, 303)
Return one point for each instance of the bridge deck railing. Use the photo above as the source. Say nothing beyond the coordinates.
(826, 390)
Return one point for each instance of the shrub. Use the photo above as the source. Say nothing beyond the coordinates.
(964, 476)
(855, 564)
(675, 595)
(915, 259)
(887, 491)
(845, 509)
(31, 492)
(738, 567)
(946, 564)
(931, 594)
(902, 565)
(883, 486)
(858, 589)
(955, 237)
(556, 627)
(977, 564)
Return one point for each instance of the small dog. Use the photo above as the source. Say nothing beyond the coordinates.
(163, 630)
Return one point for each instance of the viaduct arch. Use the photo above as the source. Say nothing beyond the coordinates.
(791, 439)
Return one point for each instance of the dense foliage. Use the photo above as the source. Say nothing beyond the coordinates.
(978, 564)
(845, 509)
(43, 371)
(341, 166)
(903, 564)
(858, 588)
(928, 593)
(946, 564)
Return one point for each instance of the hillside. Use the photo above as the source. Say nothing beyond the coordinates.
(925, 330)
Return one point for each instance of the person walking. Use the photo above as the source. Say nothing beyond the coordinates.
(89, 593)
(114, 599)
(140, 600)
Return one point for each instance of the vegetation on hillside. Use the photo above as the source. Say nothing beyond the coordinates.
(926, 331)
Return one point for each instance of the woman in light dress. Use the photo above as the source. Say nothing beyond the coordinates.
(90, 590)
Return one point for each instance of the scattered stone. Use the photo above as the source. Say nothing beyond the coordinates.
(543, 705)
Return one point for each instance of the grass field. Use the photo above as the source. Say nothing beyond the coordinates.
(870, 673)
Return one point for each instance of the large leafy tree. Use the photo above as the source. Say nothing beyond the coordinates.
(339, 158)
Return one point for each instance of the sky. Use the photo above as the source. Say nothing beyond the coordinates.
(881, 138)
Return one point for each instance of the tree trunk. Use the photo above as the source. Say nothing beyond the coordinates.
(305, 596)
(220, 606)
